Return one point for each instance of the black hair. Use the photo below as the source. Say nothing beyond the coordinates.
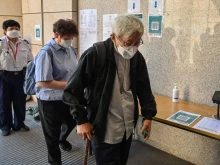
(10, 23)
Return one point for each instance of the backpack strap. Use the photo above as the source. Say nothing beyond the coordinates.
(101, 53)
(74, 50)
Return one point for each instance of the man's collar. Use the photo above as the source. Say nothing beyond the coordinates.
(18, 40)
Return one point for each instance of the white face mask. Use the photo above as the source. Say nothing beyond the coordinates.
(127, 52)
(13, 33)
(66, 43)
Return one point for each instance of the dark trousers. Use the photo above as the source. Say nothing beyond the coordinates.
(111, 154)
(12, 93)
(57, 123)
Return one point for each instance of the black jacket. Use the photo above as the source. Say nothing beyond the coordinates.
(94, 106)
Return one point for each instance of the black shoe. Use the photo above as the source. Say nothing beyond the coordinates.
(6, 133)
(23, 129)
(65, 146)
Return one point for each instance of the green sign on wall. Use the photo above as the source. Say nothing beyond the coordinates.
(155, 26)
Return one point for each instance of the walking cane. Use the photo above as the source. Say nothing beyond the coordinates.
(86, 152)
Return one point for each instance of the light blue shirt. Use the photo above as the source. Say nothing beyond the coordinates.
(60, 69)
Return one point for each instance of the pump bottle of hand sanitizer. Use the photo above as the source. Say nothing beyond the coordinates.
(175, 97)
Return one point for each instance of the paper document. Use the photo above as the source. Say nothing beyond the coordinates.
(107, 25)
(88, 18)
(88, 29)
(87, 38)
(183, 117)
(209, 125)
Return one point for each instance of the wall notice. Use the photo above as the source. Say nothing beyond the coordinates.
(107, 22)
(133, 6)
(37, 32)
(88, 29)
(155, 26)
(155, 7)
(155, 17)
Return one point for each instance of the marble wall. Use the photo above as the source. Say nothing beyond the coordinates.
(10, 9)
(195, 148)
(45, 13)
(188, 52)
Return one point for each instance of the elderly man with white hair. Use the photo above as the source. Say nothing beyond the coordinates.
(109, 113)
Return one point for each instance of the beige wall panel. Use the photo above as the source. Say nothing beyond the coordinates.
(31, 6)
(10, 7)
(29, 22)
(177, 5)
(215, 4)
(75, 44)
(214, 16)
(200, 13)
(35, 49)
(59, 5)
(168, 5)
(211, 27)
(200, 4)
(4, 18)
(50, 18)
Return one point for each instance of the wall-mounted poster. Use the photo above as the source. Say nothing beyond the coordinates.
(155, 17)
(133, 6)
(107, 25)
(88, 29)
(155, 26)
(37, 32)
(155, 7)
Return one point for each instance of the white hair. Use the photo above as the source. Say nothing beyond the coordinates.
(126, 25)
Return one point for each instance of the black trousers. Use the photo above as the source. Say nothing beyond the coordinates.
(12, 93)
(57, 123)
(111, 154)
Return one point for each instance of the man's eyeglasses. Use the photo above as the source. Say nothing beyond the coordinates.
(138, 43)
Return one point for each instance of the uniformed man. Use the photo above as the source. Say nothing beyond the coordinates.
(14, 56)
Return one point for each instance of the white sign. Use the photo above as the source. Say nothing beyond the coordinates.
(88, 29)
(208, 125)
(155, 7)
(107, 25)
(37, 32)
(133, 6)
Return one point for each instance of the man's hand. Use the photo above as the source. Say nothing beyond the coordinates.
(146, 127)
(85, 130)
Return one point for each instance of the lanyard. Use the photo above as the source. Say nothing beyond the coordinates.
(16, 51)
